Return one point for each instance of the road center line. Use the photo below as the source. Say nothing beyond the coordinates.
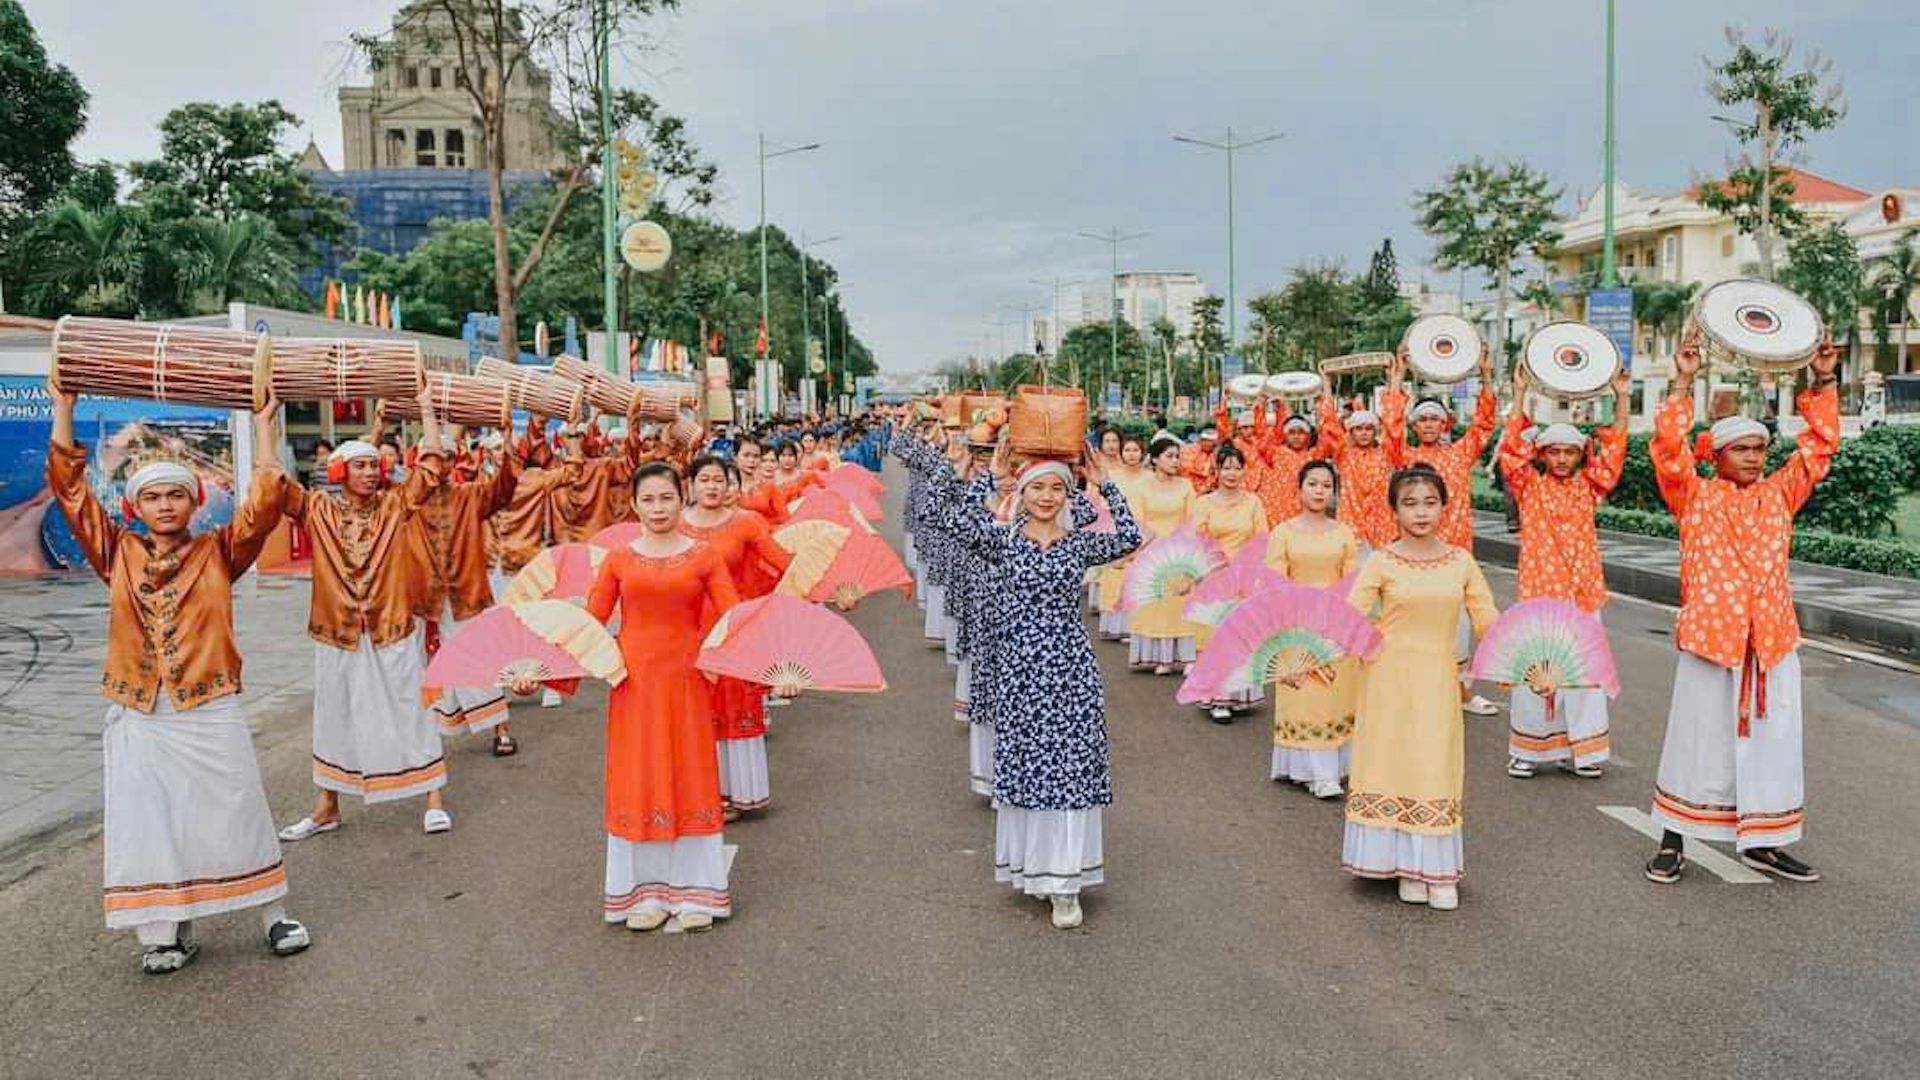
(1701, 855)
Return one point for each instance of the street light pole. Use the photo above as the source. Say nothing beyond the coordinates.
(764, 158)
(1229, 148)
(1609, 272)
(806, 302)
(1113, 238)
(1056, 285)
(609, 216)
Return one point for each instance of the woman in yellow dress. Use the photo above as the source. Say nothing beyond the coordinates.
(1313, 723)
(1163, 501)
(1404, 803)
(1126, 477)
(1234, 518)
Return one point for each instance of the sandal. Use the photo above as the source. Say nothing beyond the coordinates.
(503, 745)
(1665, 867)
(167, 959)
(307, 827)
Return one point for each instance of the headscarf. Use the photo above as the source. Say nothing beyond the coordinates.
(161, 474)
(1161, 440)
(1299, 421)
(1042, 468)
(1732, 429)
(1431, 407)
(1561, 435)
(353, 450)
(1361, 418)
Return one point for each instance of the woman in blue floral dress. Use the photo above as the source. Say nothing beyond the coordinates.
(1051, 779)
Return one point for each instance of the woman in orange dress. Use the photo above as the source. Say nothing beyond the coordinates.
(755, 563)
(663, 818)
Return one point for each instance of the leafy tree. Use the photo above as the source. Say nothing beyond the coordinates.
(1381, 287)
(1824, 267)
(43, 108)
(1267, 330)
(1486, 217)
(225, 162)
(1663, 306)
(1781, 104)
(84, 260)
(1895, 277)
(1208, 337)
(1087, 350)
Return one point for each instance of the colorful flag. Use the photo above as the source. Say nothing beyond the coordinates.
(396, 313)
(359, 304)
(333, 299)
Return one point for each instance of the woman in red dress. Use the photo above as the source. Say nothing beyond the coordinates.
(755, 563)
(663, 817)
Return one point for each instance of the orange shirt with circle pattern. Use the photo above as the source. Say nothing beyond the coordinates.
(1559, 547)
(1453, 460)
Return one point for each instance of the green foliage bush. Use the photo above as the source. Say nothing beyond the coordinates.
(1905, 441)
(1860, 493)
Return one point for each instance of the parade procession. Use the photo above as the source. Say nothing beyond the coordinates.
(483, 592)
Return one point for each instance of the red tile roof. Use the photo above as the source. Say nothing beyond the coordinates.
(1810, 188)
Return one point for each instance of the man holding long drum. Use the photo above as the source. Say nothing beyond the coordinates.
(371, 736)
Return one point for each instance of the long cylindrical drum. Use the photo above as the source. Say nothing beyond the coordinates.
(472, 400)
(345, 369)
(192, 365)
(1352, 362)
(608, 392)
(1442, 348)
(534, 391)
(1569, 360)
(1757, 324)
(665, 399)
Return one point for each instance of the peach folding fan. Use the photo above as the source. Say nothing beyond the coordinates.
(561, 572)
(863, 499)
(813, 545)
(542, 640)
(827, 504)
(863, 565)
(790, 645)
(615, 537)
(848, 472)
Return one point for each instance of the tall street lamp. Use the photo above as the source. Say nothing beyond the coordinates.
(806, 304)
(1056, 285)
(767, 155)
(1229, 147)
(1113, 238)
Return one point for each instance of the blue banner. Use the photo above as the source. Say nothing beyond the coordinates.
(1610, 311)
(1113, 397)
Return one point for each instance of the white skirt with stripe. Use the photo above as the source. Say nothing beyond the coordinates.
(743, 772)
(1044, 852)
(685, 874)
(466, 708)
(1715, 785)
(371, 736)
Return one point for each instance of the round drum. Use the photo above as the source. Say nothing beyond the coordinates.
(1442, 348)
(1757, 324)
(1246, 387)
(1569, 360)
(1293, 385)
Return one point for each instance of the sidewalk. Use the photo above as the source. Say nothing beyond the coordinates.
(53, 640)
(1874, 610)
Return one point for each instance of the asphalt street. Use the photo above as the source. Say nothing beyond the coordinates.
(870, 939)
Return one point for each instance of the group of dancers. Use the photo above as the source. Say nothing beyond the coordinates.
(403, 556)
(1377, 505)
(1004, 552)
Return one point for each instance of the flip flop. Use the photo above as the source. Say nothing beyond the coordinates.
(437, 821)
(307, 827)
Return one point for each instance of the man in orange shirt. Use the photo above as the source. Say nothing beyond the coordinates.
(187, 830)
(1197, 461)
(1730, 766)
(1364, 466)
(1560, 558)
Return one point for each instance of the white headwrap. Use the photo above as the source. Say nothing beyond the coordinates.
(492, 440)
(1361, 418)
(1043, 468)
(353, 449)
(1530, 436)
(160, 474)
(1431, 408)
(1297, 420)
(1561, 435)
(1162, 438)
(1734, 428)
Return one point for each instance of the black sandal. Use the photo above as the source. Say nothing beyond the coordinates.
(504, 746)
(1665, 867)
(167, 959)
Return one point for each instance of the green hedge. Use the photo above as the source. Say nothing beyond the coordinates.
(1858, 497)
(1905, 441)
(1817, 546)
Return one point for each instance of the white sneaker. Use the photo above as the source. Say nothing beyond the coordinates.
(1221, 713)
(1162, 669)
(1412, 892)
(551, 700)
(1444, 897)
(1480, 706)
(1325, 789)
(1066, 910)
(1519, 770)
(437, 821)
(692, 922)
(650, 919)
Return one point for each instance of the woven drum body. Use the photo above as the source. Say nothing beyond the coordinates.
(608, 393)
(664, 400)
(1442, 348)
(1048, 421)
(1568, 360)
(469, 400)
(1757, 324)
(953, 412)
(537, 393)
(719, 392)
(1352, 362)
(193, 365)
(346, 369)
(974, 406)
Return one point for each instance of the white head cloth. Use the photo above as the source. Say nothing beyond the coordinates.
(1560, 435)
(1043, 468)
(353, 449)
(1361, 418)
(1297, 421)
(1431, 408)
(159, 474)
(1734, 428)
(1162, 439)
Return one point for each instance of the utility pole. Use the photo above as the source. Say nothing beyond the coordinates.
(764, 158)
(1113, 238)
(806, 301)
(1056, 285)
(1609, 272)
(1229, 147)
(609, 217)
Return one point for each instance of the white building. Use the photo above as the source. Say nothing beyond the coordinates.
(1147, 297)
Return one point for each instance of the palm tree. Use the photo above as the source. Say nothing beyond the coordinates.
(84, 258)
(1895, 277)
(235, 259)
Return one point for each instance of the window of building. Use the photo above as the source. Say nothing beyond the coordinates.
(1726, 246)
(1670, 258)
(423, 148)
(456, 155)
(396, 147)
(411, 76)
(433, 77)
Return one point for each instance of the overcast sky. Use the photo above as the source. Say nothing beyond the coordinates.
(966, 142)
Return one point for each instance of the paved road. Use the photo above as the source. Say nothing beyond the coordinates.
(870, 940)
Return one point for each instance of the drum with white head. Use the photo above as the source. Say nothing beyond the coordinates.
(1293, 386)
(1569, 360)
(1757, 324)
(1442, 348)
(1246, 388)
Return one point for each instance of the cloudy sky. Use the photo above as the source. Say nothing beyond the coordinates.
(966, 142)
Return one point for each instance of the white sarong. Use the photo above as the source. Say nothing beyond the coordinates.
(1577, 728)
(1043, 852)
(1715, 785)
(188, 832)
(743, 772)
(371, 736)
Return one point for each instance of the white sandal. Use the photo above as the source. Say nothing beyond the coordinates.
(437, 821)
(307, 827)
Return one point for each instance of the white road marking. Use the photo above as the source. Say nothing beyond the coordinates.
(731, 850)
(1698, 853)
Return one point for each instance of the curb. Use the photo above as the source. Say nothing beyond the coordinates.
(1827, 620)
